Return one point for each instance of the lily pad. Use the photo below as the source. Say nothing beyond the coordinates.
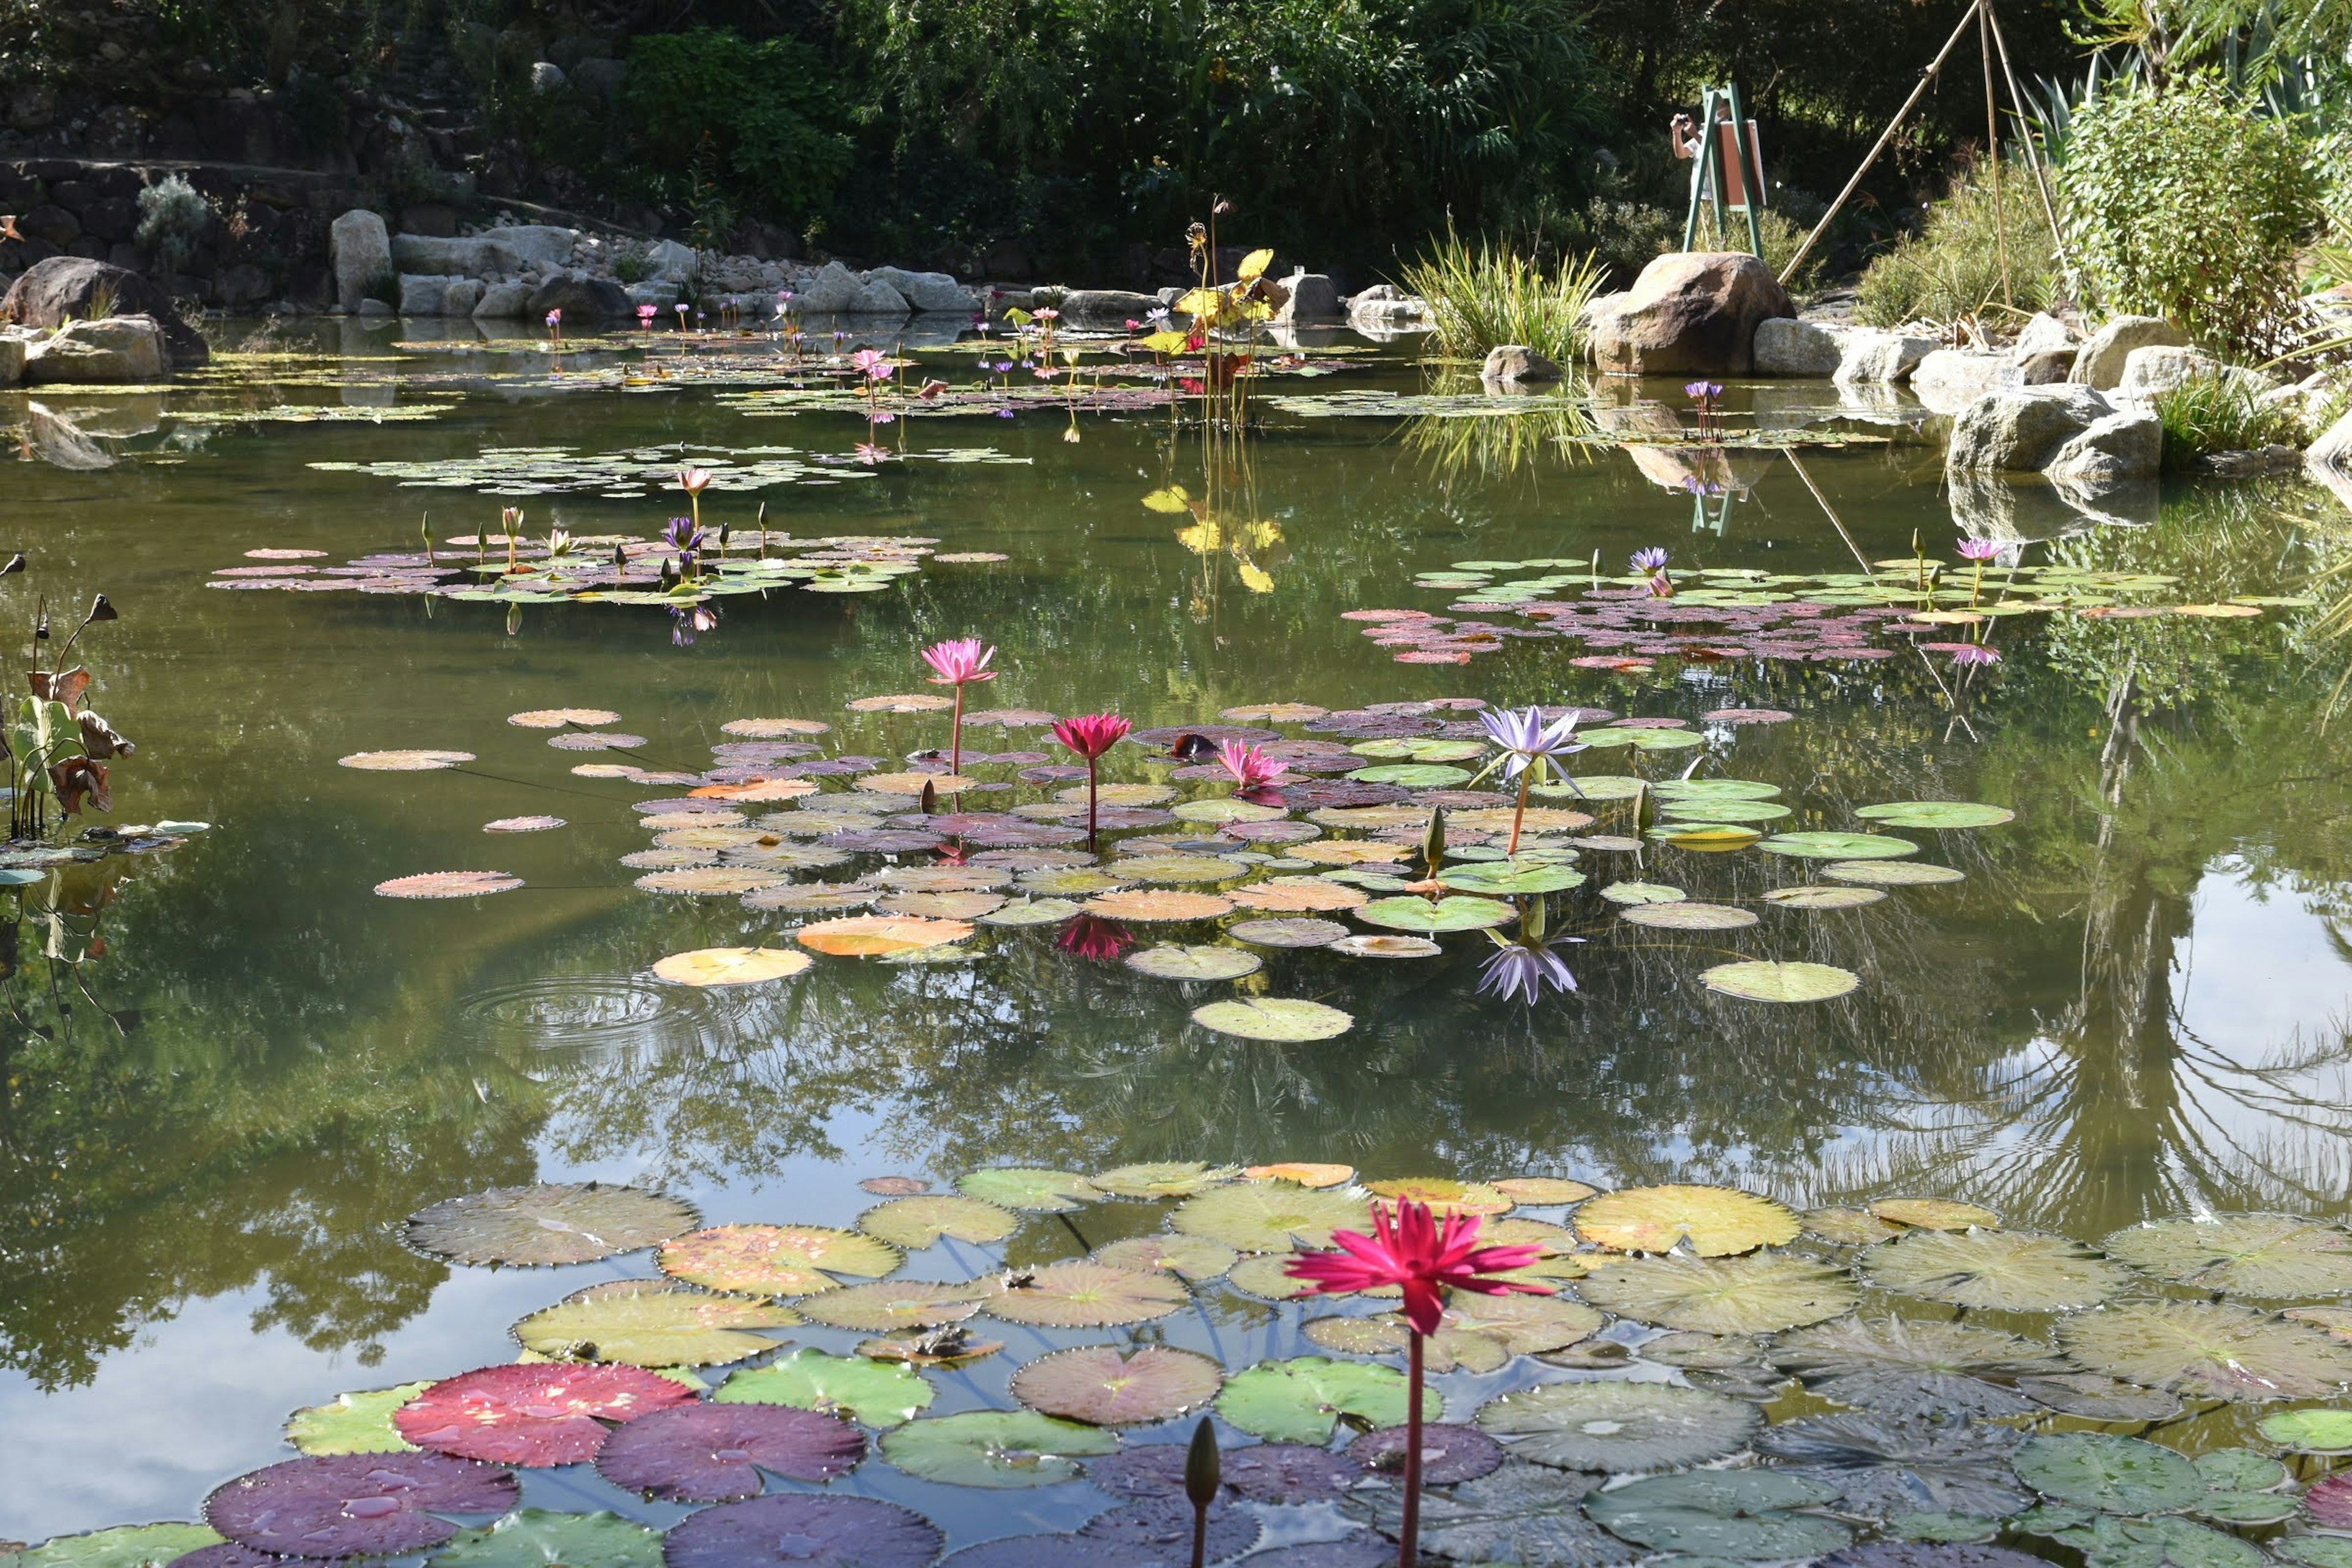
(731, 965)
(2310, 1431)
(1170, 962)
(1293, 931)
(1165, 1525)
(1449, 1454)
(1445, 914)
(1087, 1296)
(2265, 1256)
(1507, 878)
(353, 1423)
(539, 1538)
(411, 761)
(2240, 1470)
(715, 1453)
(892, 1305)
(873, 935)
(124, 1546)
(1891, 874)
(775, 1259)
(1387, 947)
(1186, 1257)
(557, 1222)
(652, 1323)
(1906, 1368)
(1281, 1020)
(1263, 1216)
(2115, 1475)
(1617, 1425)
(1150, 905)
(995, 1448)
(1839, 846)
(1937, 813)
(1935, 1214)
(1820, 898)
(1030, 1190)
(2097, 1398)
(1721, 1514)
(355, 1505)
(1111, 1387)
(795, 1530)
(1303, 1172)
(1709, 1221)
(1164, 1179)
(1302, 1400)
(872, 1392)
(1720, 1295)
(915, 1222)
(1298, 895)
(1541, 1192)
(1522, 1514)
(537, 1415)
(2329, 1503)
(2208, 1351)
(2001, 1271)
(1637, 893)
(448, 884)
(1771, 981)
(1886, 1467)
(1685, 915)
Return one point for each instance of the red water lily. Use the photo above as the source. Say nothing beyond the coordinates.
(1090, 736)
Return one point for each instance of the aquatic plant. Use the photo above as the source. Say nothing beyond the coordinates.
(555, 328)
(645, 318)
(1652, 560)
(1479, 299)
(1708, 396)
(1974, 653)
(1530, 747)
(2221, 412)
(694, 481)
(959, 662)
(1424, 1260)
(1251, 768)
(1977, 552)
(1204, 1479)
(1095, 939)
(1090, 737)
(56, 749)
(686, 540)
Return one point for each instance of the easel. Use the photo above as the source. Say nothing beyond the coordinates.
(1726, 167)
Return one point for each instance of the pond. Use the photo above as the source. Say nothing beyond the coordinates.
(233, 1070)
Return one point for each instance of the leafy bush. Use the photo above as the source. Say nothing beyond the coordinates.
(767, 109)
(630, 264)
(1951, 269)
(2185, 204)
(1780, 233)
(1478, 299)
(172, 218)
(2209, 413)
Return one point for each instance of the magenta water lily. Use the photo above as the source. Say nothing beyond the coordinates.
(959, 662)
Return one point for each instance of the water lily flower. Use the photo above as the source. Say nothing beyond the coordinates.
(871, 454)
(876, 365)
(1516, 969)
(1047, 313)
(1251, 767)
(687, 620)
(1095, 939)
(1529, 747)
(1423, 1257)
(1653, 559)
(685, 537)
(645, 318)
(1977, 552)
(1975, 653)
(959, 662)
(1090, 736)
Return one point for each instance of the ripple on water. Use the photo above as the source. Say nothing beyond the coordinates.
(593, 1010)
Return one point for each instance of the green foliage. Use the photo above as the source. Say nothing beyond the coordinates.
(1951, 269)
(1781, 235)
(1478, 299)
(171, 216)
(765, 109)
(2209, 413)
(2183, 203)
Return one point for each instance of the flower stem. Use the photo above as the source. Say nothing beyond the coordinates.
(1527, 777)
(955, 736)
(1976, 584)
(1409, 1534)
(1090, 806)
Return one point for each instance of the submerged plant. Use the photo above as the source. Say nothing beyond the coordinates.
(1530, 745)
(959, 662)
(1424, 1258)
(1090, 736)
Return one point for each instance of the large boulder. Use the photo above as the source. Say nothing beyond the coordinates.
(424, 294)
(876, 298)
(829, 291)
(359, 252)
(502, 301)
(1874, 358)
(672, 262)
(1689, 313)
(928, 291)
(2042, 334)
(1514, 364)
(74, 286)
(460, 295)
(2020, 429)
(1105, 307)
(2101, 363)
(2159, 368)
(471, 256)
(542, 245)
(658, 292)
(2122, 445)
(121, 350)
(2045, 367)
(1950, 380)
(1790, 345)
(1313, 297)
(585, 301)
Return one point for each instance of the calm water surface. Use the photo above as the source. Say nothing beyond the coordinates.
(2134, 1005)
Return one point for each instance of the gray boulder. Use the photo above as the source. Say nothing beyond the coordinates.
(120, 351)
(2102, 360)
(582, 300)
(424, 294)
(1874, 358)
(672, 262)
(545, 246)
(502, 301)
(1790, 345)
(468, 256)
(2123, 446)
(1312, 299)
(1512, 365)
(2045, 368)
(13, 346)
(1106, 307)
(2042, 334)
(2159, 368)
(2020, 429)
(876, 298)
(359, 252)
(546, 76)
(829, 291)
(51, 291)
(1688, 313)
(1950, 380)
(460, 295)
(930, 292)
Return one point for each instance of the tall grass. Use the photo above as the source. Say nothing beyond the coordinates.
(2208, 414)
(1951, 269)
(1483, 298)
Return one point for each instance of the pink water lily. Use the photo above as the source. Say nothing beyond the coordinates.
(1251, 767)
(1977, 552)
(1090, 736)
(959, 662)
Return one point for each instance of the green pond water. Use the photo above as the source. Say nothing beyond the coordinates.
(214, 1116)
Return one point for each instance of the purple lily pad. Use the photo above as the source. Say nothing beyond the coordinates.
(596, 740)
(714, 1453)
(1028, 835)
(1056, 773)
(1449, 1453)
(956, 823)
(1280, 832)
(884, 840)
(1314, 795)
(804, 1531)
(1065, 1552)
(1289, 1472)
(227, 1554)
(1349, 1552)
(1165, 1525)
(1032, 859)
(1145, 1470)
(356, 1505)
(1919, 1554)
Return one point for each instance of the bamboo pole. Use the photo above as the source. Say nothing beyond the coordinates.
(2033, 157)
(1992, 152)
(1925, 77)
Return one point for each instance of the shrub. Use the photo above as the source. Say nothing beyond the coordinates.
(766, 110)
(1951, 269)
(1781, 235)
(1478, 299)
(2223, 413)
(172, 218)
(631, 265)
(2185, 203)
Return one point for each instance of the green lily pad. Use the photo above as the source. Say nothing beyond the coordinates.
(2316, 1551)
(2114, 1475)
(1642, 893)
(2208, 1351)
(1819, 898)
(1765, 981)
(1030, 912)
(1996, 1270)
(1517, 1514)
(1686, 915)
(1302, 1400)
(652, 1323)
(2246, 1509)
(536, 1538)
(1592, 786)
(1944, 1529)
(1170, 960)
(1718, 789)
(2310, 1432)
(1906, 1368)
(125, 1546)
(1225, 808)
(1892, 874)
(1722, 1513)
(995, 1448)
(2097, 1398)
(1839, 846)
(1507, 878)
(2165, 1541)
(1445, 914)
(1939, 813)
(1617, 1425)
(1270, 1216)
(2240, 1470)
(1412, 776)
(918, 1222)
(873, 1393)
(353, 1423)
(1165, 1178)
(2267, 1255)
(1030, 1190)
(1282, 1020)
(1720, 808)
(1751, 1295)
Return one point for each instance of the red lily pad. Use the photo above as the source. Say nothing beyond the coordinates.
(448, 884)
(894, 1186)
(1111, 1387)
(356, 1505)
(1449, 1453)
(714, 1453)
(227, 1554)
(521, 824)
(535, 1415)
(800, 1530)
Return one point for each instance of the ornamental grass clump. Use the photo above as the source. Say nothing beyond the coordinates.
(1951, 269)
(2221, 412)
(1480, 298)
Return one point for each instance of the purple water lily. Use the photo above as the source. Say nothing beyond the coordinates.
(1529, 746)
(685, 621)
(1650, 559)
(1526, 972)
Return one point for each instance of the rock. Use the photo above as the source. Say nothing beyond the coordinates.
(2159, 368)
(2046, 368)
(587, 302)
(658, 292)
(12, 357)
(1513, 365)
(542, 244)
(1105, 307)
(70, 286)
(829, 291)
(2042, 334)
(372, 306)
(1386, 312)
(876, 298)
(1788, 346)
(2126, 445)
(121, 350)
(436, 219)
(423, 294)
(461, 296)
(546, 76)
(928, 290)
(2020, 429)
(2334, 448)
(672, 262)
(2101, 363)
(502, 301)
(110, 218)
(1312, 299)
(468, 256)
(1950, 380)
(242, 284)
(1874, 358)
(51, 224)
(359, 252)
(1688, 313)
(2262, 460)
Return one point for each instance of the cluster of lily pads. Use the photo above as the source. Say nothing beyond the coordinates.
(908, 863)
(633, 475)
(1745, 613)
(1715, 1379)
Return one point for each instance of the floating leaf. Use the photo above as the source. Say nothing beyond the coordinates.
(710, 881)
(1288, 932)
(521, 824)
(124, 1546)
(2329, 1503)
(897, 1304)
(1720, 1295)
(1891, 874)
(1386, 947)
(651, 1323)
(2260, 1255)
(1642, 893)
(2240, 1470)
(995, 1448)
(775, 1259)
(1935, 1214)
(714, 1453)
(1170, 962)
(2115, 1475)
(2009, 1271)
(1939, 814)
(355, 1505)
(1507, 878)
(2310, 1431)
(1165, 1525)
(1712, 1221)
(557, 718)
(1721, 1514)
(803, 1530)
(2097, 1398)
(1164, 1179)
(1765, 981)
(448, 884)
(1260, 1217)
(1110, 1386)
(1087, 1296)
(915, 1222)
(731, 965)
(1618, 1426)
(1518, 1514)
(1155, 904)
(535, 1415)
(1839, 846)
(1445, 914)
(1030, 1190)
(1904, 1368)
(560, 1222)
(1687, 916)
(538, 1538)
(1449, 1454)
(1443, 1194)
(1301, 1400)
(873, 1393)
(353, 1424)
(1542, 1192)
(1885, 1468)
(872, 935)
(1819, 898)
(1186, 1257)
(2208, 1351)
(1282, 1020)
(1298, 895)
(402, 762)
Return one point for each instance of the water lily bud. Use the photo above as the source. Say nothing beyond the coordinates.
(1203, 1471)
(1433, 843)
